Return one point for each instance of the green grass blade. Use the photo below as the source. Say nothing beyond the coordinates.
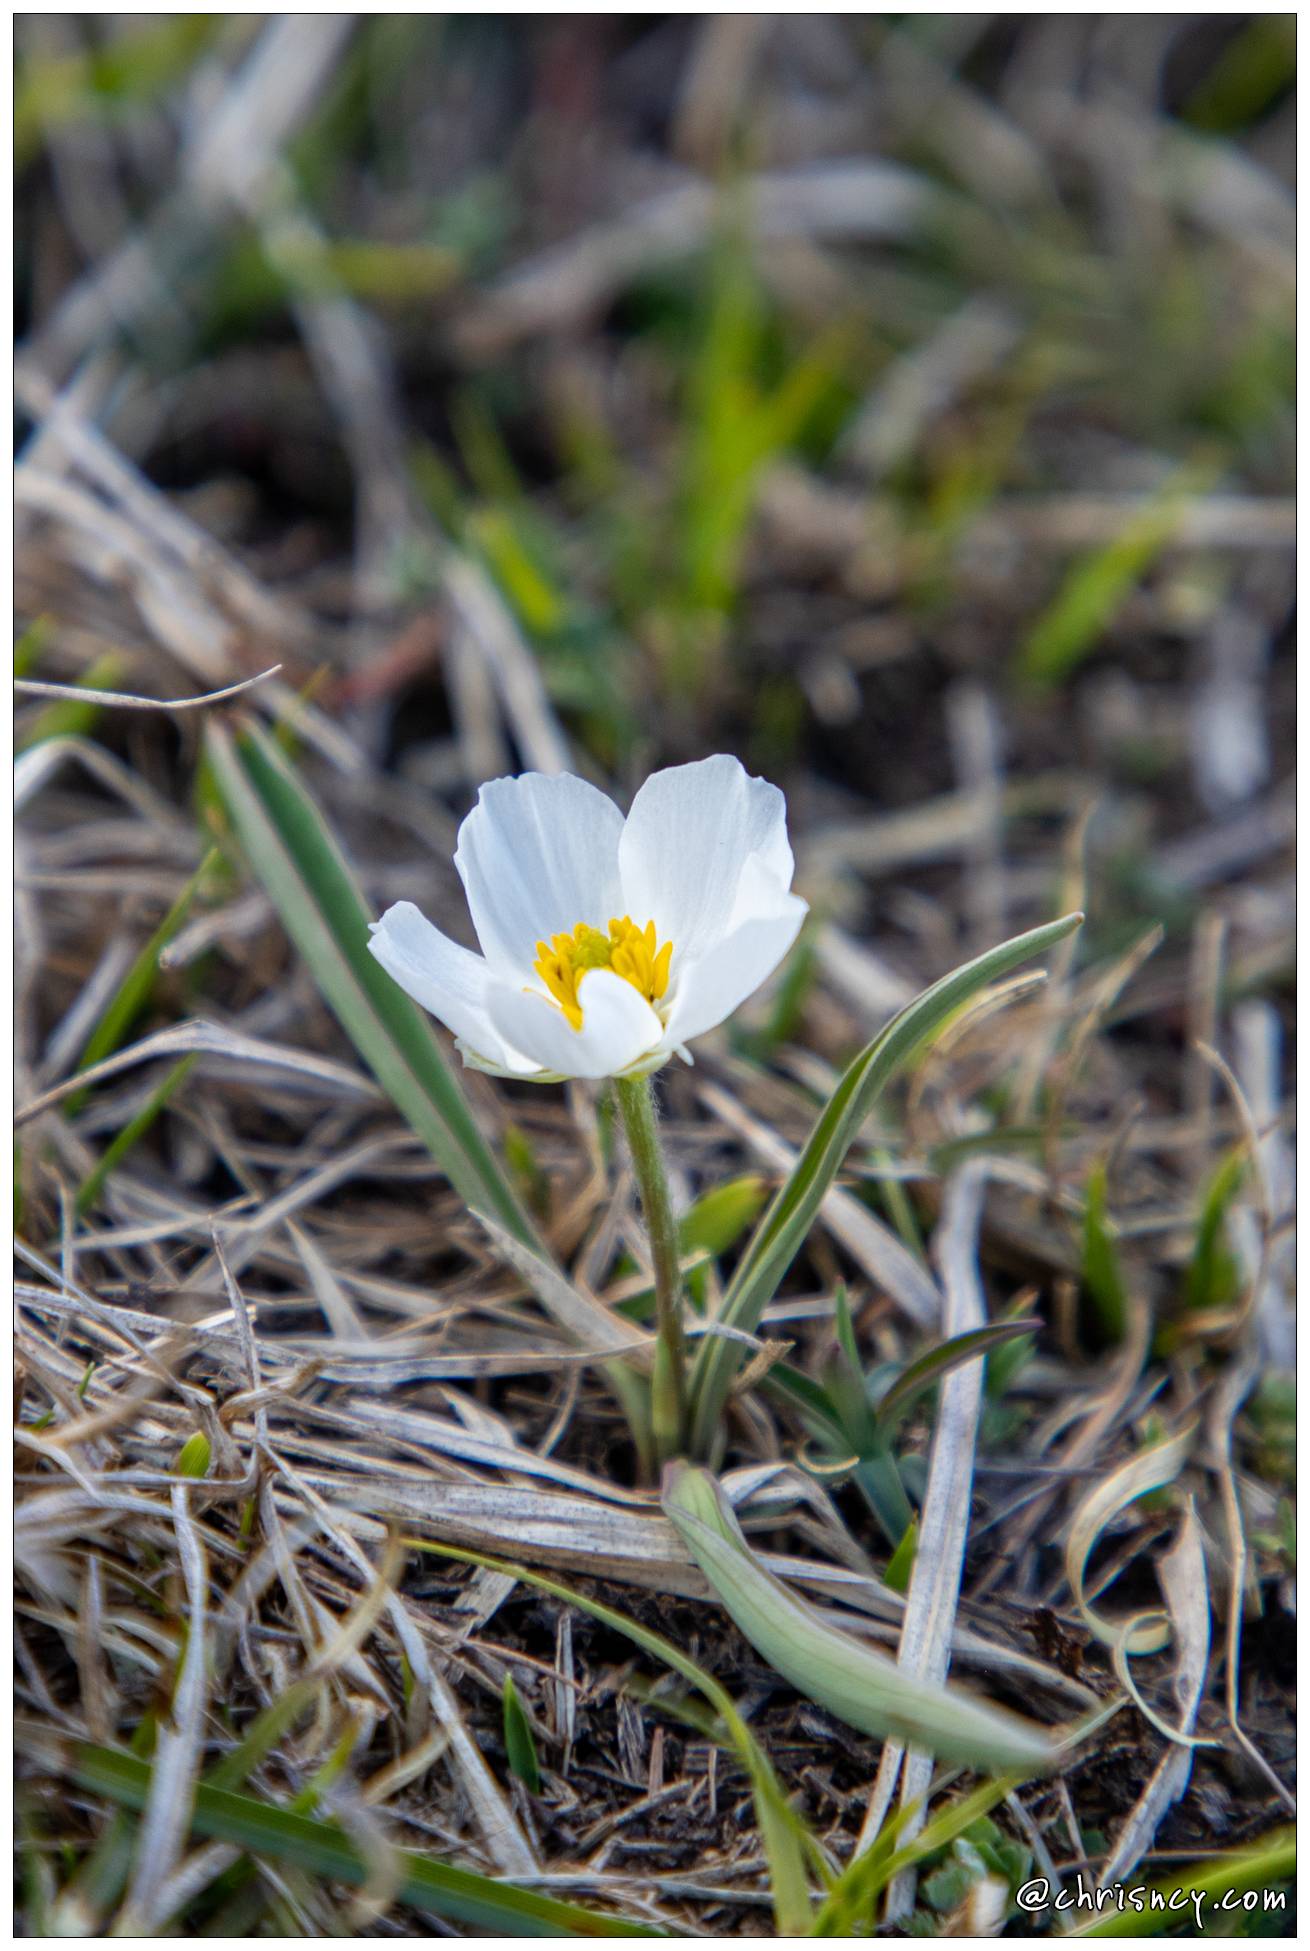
(133, 992)
(849, 1909)
(134, 1130)
(1232, 1873)
(305, 875)
(929, 1368)
(1098, 585)
(863, 1687)
(1102, 1272)
(460, 1896)
(520, 1748)
(1213, 1277)
(901, 1562)
(780, 1234)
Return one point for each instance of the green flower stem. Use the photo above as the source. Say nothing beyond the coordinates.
(669, 1385)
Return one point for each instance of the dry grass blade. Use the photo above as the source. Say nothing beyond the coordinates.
(752, 385)
(175, 1769)
(1224, 1406)
(885, 1258)
(204, 1039)
(34, 688)
(581, 1315)
(1148, 1471)
(503, 1834)
(1186, 1591)
(925, 1648)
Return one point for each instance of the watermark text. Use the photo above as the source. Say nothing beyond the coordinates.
(1038, 1894)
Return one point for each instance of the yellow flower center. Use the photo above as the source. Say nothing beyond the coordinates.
(630, 951)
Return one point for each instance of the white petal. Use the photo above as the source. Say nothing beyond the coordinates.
(618, 1025)
(537, 855)
(710, 986)
(685, 846)
(445, 978)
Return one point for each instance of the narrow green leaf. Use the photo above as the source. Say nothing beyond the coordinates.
(31, 644)
(133, 992)
(901, 1562)
(846, 1675)
(265, 1730)
(1212, 1275)
(519, 1744)
(525, 1170)
(717, 1220)
(860, 1432)
(70, 717)
(848, 1911)
(1102, 1274)
(292, 851)
(929, 1368)
(781, 1232)
(194, 1456)
(1069, 629)
(323, 1848)
(1196, 1893)
(133, 1131)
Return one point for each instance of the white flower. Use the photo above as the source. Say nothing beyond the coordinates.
(607, 944)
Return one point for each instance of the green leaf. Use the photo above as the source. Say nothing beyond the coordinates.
(69, 717)
(519, 1744)
(323, 1848)
(1213, 1277)
(134, 1130)
(781, 1232)
(862, 1686)
(901, 1562)
(133, 992)
(860, 1431)
(927, 1369)
(849, 1909)
(1096, 587)
(291, 849)
(194, 1455)
(131, 68)
(1233, 1872)
(717, 1220)
(1102, 1274)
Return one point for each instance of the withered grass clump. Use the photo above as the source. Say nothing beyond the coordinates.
(345, 1600)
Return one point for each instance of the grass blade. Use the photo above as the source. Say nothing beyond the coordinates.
(520, 1748)
(929, 1368)
(1204, 1886)
(306, 877)
(1102, 1273)
(1149, 1470)
(779, 1236)
(133, 992)
(461, 1896)
(861, 1686)
(849, 1909)
(135, 1129)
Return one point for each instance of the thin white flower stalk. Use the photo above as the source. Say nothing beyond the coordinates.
(608, 945)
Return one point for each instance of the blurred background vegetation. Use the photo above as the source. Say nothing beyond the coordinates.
(790, 377)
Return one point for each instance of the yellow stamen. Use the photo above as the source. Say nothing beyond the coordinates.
(631, 952)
